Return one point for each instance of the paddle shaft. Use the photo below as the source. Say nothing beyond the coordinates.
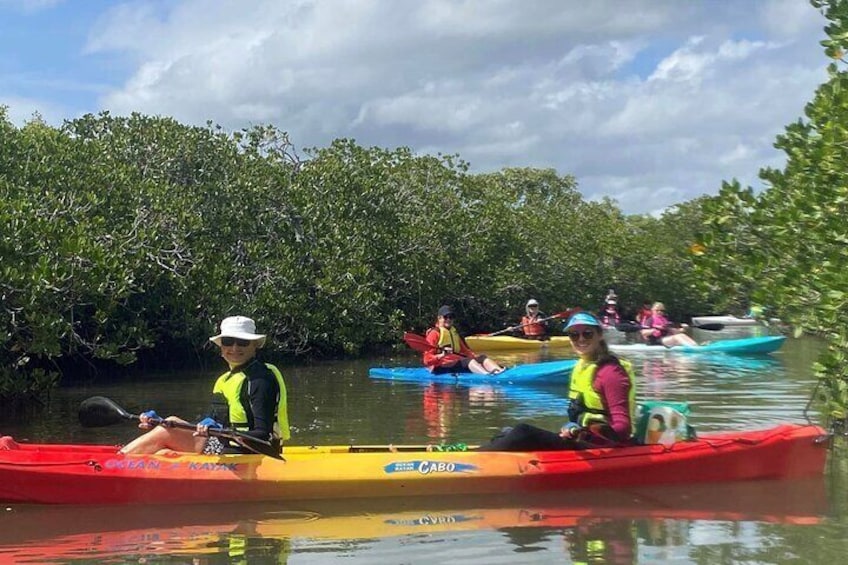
(229, 434)
(99, 411)
(539, 321)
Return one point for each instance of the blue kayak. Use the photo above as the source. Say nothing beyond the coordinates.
(744, 346)
(550, 372)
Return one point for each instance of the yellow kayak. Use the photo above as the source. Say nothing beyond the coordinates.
(509, 343)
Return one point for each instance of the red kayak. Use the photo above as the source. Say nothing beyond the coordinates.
(89, 474)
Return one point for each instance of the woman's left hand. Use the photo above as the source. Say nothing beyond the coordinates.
(204, 425)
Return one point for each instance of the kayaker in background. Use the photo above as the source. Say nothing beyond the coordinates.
(602, 399)
(659, 330)
(450, 354)
(644, 312)
(531, 326)
(755, 312)
(250, 397)
(609, 314)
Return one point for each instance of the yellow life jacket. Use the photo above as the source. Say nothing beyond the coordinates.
(229, 385)
(580, 389)
(450, 337)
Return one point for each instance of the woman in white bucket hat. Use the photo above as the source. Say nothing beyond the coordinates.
(250, 398)
(532, 324)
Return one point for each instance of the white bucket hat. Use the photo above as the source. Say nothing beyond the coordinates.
(240, 327)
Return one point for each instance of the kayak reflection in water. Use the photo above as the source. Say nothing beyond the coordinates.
(658, 330)
(602, 399)
(250, 397)
(449, 353)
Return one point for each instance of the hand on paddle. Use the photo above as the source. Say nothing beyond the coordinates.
(148, 419)
(206, 424)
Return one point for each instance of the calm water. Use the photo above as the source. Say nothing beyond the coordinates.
(799, 522)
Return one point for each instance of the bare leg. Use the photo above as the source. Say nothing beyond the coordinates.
(682, 337)
(475, 367)
(686, 339)
(165, 438)
(678, 339)
(491, 366)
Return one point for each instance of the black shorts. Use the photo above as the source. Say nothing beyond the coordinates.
(460, 366)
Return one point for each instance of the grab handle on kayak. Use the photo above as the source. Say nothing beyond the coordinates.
(99, 411)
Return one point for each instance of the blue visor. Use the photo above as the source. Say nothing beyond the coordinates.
(582, 319)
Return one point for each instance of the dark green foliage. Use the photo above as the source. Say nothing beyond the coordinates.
(125, 235)
(788, 246)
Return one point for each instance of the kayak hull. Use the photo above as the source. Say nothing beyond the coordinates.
(85, 474)
(550, 372)
(744, 346)
(510, 343)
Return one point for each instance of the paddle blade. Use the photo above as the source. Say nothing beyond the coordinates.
(416, 342)
(628, 327)
(99, 411)
(567, 313)
(711, 327)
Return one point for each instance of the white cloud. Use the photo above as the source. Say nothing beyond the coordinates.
(666, 98)
(21, 110)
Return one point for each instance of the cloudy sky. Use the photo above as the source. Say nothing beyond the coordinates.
(649, 102)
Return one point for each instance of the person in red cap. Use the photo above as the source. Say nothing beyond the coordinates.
(449, 353)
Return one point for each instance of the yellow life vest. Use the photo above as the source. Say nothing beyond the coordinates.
(582, 377)
(450, 337)
(229, 385)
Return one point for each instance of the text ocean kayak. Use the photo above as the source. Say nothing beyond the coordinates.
(88, 474)
(744, 346)
(550, 372)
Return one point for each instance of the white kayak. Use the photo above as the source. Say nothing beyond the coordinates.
(729, 321)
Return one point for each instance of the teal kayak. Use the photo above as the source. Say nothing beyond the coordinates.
(744, 346)
(550, 372)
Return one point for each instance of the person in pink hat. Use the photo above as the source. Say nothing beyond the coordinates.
(249, 398)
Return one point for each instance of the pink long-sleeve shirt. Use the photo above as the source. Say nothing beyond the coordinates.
(613, 384)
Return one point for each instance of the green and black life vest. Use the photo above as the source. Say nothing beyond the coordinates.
(230, 384)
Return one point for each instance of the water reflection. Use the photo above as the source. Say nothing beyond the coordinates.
(445, 405)
(633, 526)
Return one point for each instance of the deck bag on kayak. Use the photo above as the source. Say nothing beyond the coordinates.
(663, 422)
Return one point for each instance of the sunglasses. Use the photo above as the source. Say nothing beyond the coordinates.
(585, 334)
(230, 341)
(448, 316)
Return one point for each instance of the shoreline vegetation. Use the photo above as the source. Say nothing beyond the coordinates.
(129, 236)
